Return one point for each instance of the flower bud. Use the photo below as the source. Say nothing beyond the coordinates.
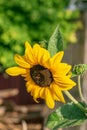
(79, 69)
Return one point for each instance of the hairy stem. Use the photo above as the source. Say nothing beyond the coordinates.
(75, 101)
(79, 88)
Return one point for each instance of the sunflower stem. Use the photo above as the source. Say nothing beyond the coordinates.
(79, 88)
(75, 101)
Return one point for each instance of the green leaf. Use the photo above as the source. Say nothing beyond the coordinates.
(55, 43)
(68, 115)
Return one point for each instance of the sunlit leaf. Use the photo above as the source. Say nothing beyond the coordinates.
(68, 115)
(56, 42)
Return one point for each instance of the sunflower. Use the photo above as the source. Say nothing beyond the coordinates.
(46, 77)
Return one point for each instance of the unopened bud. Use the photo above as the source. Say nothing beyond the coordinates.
(79, 69)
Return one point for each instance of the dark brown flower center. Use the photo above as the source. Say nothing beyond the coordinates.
(41, 76)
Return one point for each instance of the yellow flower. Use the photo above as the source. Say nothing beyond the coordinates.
(45, 77)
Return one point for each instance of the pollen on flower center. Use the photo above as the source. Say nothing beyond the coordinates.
(41, 76)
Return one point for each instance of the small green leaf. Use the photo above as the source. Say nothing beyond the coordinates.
(55, 43)
(68, 115)
(73, 74)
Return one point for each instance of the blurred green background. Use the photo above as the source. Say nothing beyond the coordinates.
(34, 21)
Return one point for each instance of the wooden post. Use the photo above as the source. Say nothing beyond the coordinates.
(84, 126)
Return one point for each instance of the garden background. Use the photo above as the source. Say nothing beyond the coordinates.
(35, 21)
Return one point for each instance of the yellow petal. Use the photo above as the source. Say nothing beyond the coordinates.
(42, 93)
(57, 57)
(41, 54)
(21, 61)
(29, 86)
(45, 56)
(55, 97)
(28, 45)
(35, 90)
(57, 92)
(49, 99)
(28, 77)
(29, 53)
(64, 82)
(35, 93)
(69, 74)
(61, 69)
(15, 71)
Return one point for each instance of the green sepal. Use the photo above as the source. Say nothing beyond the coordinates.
(68, 115)
(55, 43)
(73, 74)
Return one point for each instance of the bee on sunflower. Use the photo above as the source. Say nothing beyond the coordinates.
(46, 77)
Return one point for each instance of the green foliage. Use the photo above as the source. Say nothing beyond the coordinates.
(28, 20)
(55, 43)
(68, 115)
